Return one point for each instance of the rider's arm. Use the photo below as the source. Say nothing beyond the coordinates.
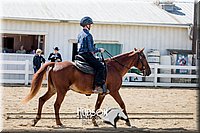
(59, 57)
(90, 43)
(50, 56)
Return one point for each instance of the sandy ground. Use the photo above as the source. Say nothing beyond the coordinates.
(147, 102)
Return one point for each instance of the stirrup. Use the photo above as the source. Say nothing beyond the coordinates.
(98, 90)
(101, 90)
(104, 89)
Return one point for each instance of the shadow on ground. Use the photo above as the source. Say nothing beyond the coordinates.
(105, 129)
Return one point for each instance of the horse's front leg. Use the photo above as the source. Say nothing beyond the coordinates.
(119, 100)
(97, 106)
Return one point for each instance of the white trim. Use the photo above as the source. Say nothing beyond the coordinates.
(32, 19)
(16, 54)
(71, 41)
(107, 41)
(96, 41)
(22, 32)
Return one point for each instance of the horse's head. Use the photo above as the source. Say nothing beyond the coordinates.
(142, 63)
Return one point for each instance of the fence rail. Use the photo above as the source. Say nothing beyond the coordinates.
(25, 72)
(156, 75)
(153, 82)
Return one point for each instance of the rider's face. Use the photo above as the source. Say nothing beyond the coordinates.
(89, 26)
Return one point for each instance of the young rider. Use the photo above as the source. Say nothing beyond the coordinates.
(87, 50)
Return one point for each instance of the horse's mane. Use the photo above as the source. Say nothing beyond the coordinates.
(117, 57)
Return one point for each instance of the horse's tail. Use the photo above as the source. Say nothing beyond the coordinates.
(37, 81)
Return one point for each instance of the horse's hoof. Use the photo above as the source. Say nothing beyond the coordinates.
(34, 122)
(128, 123)
(95, 124)
(94, 121)
(60, 126)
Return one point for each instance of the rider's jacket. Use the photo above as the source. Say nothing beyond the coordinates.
(86, 43)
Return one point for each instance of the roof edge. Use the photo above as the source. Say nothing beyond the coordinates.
(100, 22)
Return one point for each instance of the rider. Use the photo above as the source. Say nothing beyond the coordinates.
(87, 50)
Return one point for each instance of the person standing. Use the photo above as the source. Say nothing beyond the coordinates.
(86, 49)
(55, 56)
(38, 59)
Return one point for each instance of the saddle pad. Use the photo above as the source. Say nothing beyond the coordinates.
(84, 67)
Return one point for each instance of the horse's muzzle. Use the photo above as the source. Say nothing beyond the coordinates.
(147, 72)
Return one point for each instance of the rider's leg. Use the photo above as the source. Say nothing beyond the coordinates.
(98, 66)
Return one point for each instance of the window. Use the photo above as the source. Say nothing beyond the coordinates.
(114, 49)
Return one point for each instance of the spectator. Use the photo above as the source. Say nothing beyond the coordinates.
(31, 51)
(55, 56)
(21, 50)
(38, 59)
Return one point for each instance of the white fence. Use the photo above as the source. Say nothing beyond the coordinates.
(155, 76)
(27, 72)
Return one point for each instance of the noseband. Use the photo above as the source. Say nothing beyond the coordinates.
(140, 60)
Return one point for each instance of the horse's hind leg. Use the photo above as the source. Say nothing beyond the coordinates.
(61, 92)
(119, 100)
(51, 91)
(97, 106)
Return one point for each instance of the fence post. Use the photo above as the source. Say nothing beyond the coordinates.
(26, 71)
(155, 74)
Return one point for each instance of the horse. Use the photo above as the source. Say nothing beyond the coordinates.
(64, 76)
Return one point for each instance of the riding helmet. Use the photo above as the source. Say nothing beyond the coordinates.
(85, 21)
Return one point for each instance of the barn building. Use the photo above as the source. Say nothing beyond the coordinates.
(119, 26)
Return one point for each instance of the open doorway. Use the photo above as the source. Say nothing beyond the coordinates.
(8, 43)
(74, 51)
(11, 43)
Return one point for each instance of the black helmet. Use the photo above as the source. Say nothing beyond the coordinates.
(85, 21)
(56, 48)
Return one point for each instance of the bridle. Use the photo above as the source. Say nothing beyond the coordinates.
(140, 59)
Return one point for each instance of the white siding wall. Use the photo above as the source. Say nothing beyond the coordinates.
(59, 34)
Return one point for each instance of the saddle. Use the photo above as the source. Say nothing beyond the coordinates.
(82, 65)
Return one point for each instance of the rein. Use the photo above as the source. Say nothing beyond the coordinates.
(139, 58)
(110, 55)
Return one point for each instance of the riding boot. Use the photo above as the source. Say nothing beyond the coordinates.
(105, 90)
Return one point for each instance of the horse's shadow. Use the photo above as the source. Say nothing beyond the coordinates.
(122, 129)
(140, 130)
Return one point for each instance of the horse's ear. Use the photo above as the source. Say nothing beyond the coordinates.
(142, 50)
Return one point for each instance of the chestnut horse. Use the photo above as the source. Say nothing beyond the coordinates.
(64, 76)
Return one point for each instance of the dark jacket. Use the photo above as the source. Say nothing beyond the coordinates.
(86, 43)
(54, 57)
(37, 61)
